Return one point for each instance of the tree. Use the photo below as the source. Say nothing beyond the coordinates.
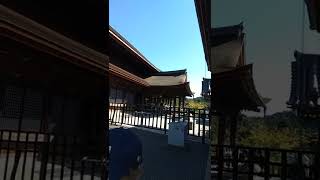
(197, 103)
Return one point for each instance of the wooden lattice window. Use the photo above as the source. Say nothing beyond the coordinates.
(2, 91)
(21, 107)
(12, 102)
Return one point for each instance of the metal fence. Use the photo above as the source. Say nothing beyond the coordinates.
(43, 156)
(160, 117)
(236, 162)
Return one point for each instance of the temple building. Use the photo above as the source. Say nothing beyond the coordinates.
(305, 77)
(232, 85)
(135, 80)
(305, 73)
(54, 81)
(206, 88)
(51, 70)
(305, 83)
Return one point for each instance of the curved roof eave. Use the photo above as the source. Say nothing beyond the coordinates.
(172, 90)
(249, 99)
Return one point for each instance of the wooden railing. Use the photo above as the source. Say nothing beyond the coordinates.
(160, 117)
(33, 155)
(237, 162)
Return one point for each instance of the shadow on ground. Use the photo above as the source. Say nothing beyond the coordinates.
(163, 162)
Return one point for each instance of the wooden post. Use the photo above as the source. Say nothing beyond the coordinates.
(45, 115)
(203, 125)
(183, 102)
(17, 150)
(174, 108)
(115, 109)
(283, 165)
(211, 135)
(170, 108)
(221, 129)
(251, 164)
(233, 129)
(179, 108)
(123, 111)
(44, 158)
(319, 136)
(235, 153)
(221, 133)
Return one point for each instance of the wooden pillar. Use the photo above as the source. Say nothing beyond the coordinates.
(115, 98)
(233, 127)
(17, 149)
(220, 150)
(115, 107)
(319, 136)
(45, 112)
(221, 129)
(123, 96)
(174, 108)
(179, 108)
(183, 102)
(211, 147)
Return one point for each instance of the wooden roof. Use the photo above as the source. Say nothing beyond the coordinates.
(313, 7)
(226, 56)
(170, 91)
(171, 73)
(131, 49)
(155, 85)
(203, 9)
(221, 35)
(236, 90)
(303, 72)
(119, 72)
(160, 83)
(84, 21)
(26, 31)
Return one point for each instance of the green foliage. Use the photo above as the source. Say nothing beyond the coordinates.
(256, 132)
(198, 103)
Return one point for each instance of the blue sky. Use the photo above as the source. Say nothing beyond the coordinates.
(166, 32)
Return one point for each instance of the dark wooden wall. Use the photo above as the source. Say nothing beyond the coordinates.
(78, 95)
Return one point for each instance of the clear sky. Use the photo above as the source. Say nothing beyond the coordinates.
(167, 33)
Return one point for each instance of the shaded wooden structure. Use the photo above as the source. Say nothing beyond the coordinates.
(54, 73)
(305, 88)
(305, 83)
(232, 86)
(135, 80)
(233, 89)
(206, 88)
(313, 7)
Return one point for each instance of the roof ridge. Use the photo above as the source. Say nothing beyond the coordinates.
(117, 35)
